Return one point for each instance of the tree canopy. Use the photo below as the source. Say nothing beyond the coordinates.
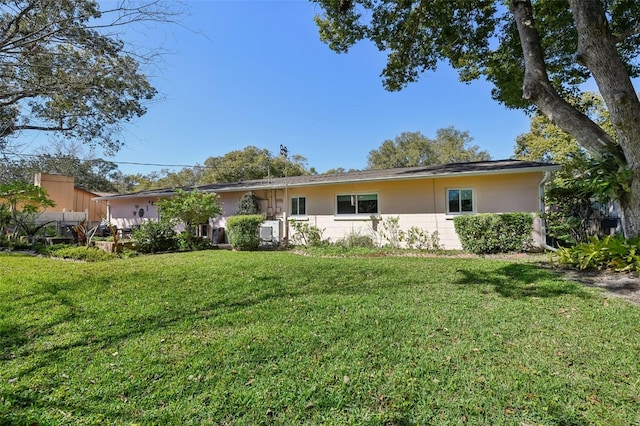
(65, 69)
(414, 149)
(190, 208)
(252, 163)
(537, 54)
(66, 158)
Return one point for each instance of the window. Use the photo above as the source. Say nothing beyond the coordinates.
(298, 206)
(357, 204)
(460, 201)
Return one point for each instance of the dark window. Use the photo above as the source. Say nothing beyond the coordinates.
(460, 200)
(299, 206)
(357, 204)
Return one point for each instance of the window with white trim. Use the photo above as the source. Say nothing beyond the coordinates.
(357, 204)
(460, 200)
(298, 206)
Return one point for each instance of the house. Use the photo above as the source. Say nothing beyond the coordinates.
(73, 204)
(427, 197)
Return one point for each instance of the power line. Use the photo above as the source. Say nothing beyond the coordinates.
(109, 161)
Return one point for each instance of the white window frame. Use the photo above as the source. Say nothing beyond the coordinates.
(460, 189)
(355, 198)
(297, 214)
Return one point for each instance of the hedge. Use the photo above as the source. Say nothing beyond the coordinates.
(494, 233)
(243, 231)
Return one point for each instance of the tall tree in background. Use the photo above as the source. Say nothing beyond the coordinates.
(66, 158)
(414, 149)
(251, 163)
(65, 69)
(547, 142)
(537, 53)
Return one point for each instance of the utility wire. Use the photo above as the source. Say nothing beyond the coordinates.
(109, 161)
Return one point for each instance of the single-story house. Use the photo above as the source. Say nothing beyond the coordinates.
(428, 197)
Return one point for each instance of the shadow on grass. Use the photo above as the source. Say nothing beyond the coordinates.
(521, 281)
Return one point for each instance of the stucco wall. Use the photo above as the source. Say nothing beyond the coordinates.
(68, 198)
(421, 203)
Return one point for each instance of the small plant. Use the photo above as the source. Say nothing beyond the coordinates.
(153, 236)
(243, 231)
(356, 239)
(419, 239)
(389, 230)
(610, 252)
(306, 234)
(87, 254)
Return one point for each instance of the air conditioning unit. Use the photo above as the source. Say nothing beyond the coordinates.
(270, 232)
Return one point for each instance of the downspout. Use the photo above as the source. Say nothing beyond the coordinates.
(543, 226)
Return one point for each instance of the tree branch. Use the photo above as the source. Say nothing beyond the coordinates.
(538, 89)
(619, 38)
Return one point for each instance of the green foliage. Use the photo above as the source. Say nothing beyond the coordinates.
(190, 208)
(66, 70)
(243, 231)
(390, 232)
(413, 149)
(154, 236)
(189, 242)
(249, 204)
(420, 239)
(251, 163)
(356, 239)
(494, 233)
(417, 39)
(24, 202)
(611, 252)
(306, 234)
(87, 254)
(65, 158)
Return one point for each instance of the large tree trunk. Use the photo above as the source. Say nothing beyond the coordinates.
(596, 51)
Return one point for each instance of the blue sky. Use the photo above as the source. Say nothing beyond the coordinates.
(255, 73)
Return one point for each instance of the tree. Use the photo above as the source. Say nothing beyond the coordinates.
(251, 163)
(24, 203)
(548, 143)
(66, 158)
(572, 216)
(536, 53)
(66, 70)
(413, 149)
(189, 208)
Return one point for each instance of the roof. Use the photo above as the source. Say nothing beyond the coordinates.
(404, 173)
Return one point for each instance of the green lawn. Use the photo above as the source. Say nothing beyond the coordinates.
(219, 337)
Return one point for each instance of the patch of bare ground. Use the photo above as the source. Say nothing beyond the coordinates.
(615, 284)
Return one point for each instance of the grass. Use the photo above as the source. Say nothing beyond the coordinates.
(219, 337)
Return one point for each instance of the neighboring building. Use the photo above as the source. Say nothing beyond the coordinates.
(428, 197)
(73, 204)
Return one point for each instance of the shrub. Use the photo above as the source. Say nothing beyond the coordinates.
(87, 254)
(306, 234)
(494, 233)
(243, 231)
(389, 229)
(187, 242)
(420, 239)
(153, 236)
(610, 252)
(356, 239)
